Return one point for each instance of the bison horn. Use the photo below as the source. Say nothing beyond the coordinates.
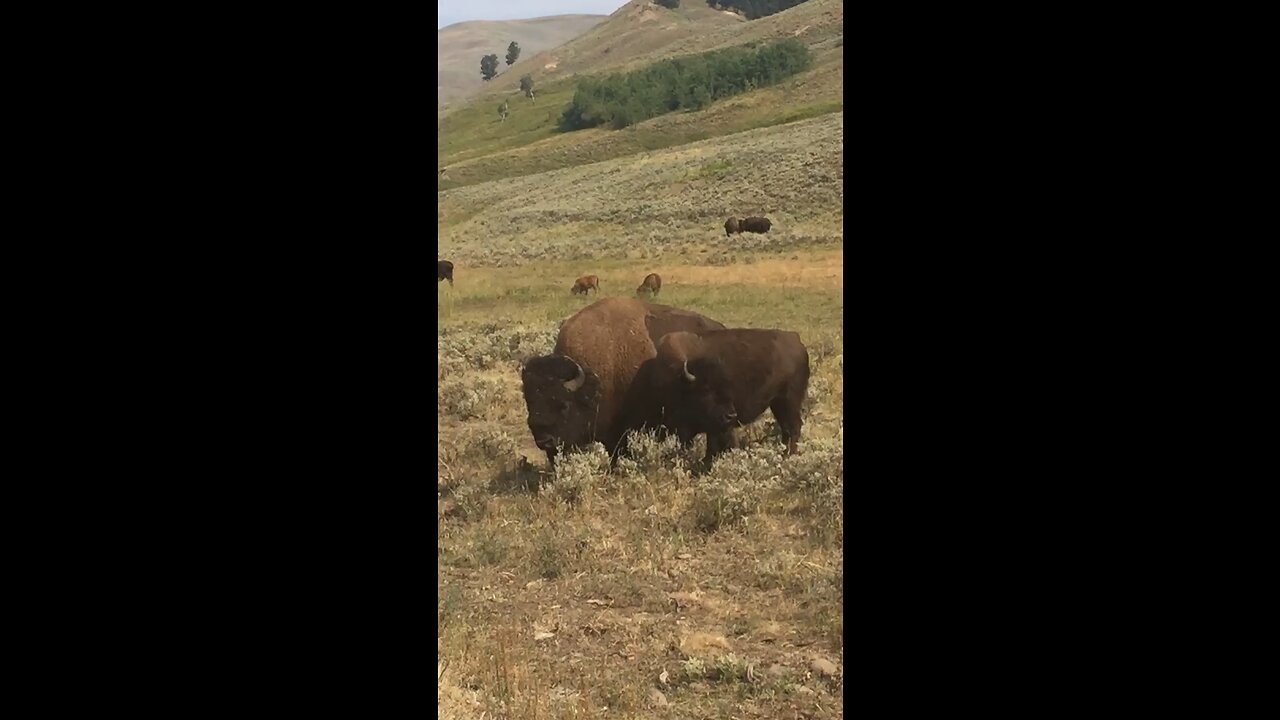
(688, 375)
(577, 381)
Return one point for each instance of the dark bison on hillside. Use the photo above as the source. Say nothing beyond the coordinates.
(444, 271)
(755, 224)
(713, 381)
(575, 395)
(731, 226)
(652, 284)
(585, 283)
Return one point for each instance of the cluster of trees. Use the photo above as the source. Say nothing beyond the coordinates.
(687, 83)
(753, 9)
(673, 4)
(489, 63)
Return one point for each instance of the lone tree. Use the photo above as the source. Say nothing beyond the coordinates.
(513, 53)
(488, 67)
(526, 86)
(502, 111)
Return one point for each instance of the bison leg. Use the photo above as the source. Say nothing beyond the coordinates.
(686, 436)
(786, 410)
(787, 413)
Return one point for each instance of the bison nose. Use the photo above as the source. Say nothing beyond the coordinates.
(544, 441)
(730, 417)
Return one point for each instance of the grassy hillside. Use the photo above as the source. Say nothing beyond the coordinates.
(460, 46)
(476, 146)
(636, 29)
(667, 203)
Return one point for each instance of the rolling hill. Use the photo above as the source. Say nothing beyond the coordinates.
(460, 46)
(476, 146)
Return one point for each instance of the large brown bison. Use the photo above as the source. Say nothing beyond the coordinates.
(713, 381)
(585, 283)
(575, 395)
(444, 271)
(652, 284)
(755, 224)
(731, 226)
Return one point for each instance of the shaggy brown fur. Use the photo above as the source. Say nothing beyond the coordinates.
(652, 283)
(585, 283)
(609, 339)
(737, 375)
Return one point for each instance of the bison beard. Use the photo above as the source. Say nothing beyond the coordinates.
(561, 398)
(444, 271)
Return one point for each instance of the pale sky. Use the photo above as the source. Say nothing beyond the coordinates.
(449, 12)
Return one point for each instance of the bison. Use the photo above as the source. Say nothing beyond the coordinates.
(731, 226)
(652, 284)
(713, 381)
(444, 271)
(574, 396)
(585, 283)
(755, 224)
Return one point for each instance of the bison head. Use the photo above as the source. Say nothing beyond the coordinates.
(562, 399)
(696, 390)
(703, 400)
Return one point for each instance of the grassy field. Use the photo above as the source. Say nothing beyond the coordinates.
(646, 590)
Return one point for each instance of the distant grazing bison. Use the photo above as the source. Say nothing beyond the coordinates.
(652, 284)
(713, 381)
(731, 226)
(755, 224)
(574, 396)
(585, 283)
(444, 271)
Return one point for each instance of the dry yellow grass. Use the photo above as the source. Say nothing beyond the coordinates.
(645, 591)
(818, 271)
